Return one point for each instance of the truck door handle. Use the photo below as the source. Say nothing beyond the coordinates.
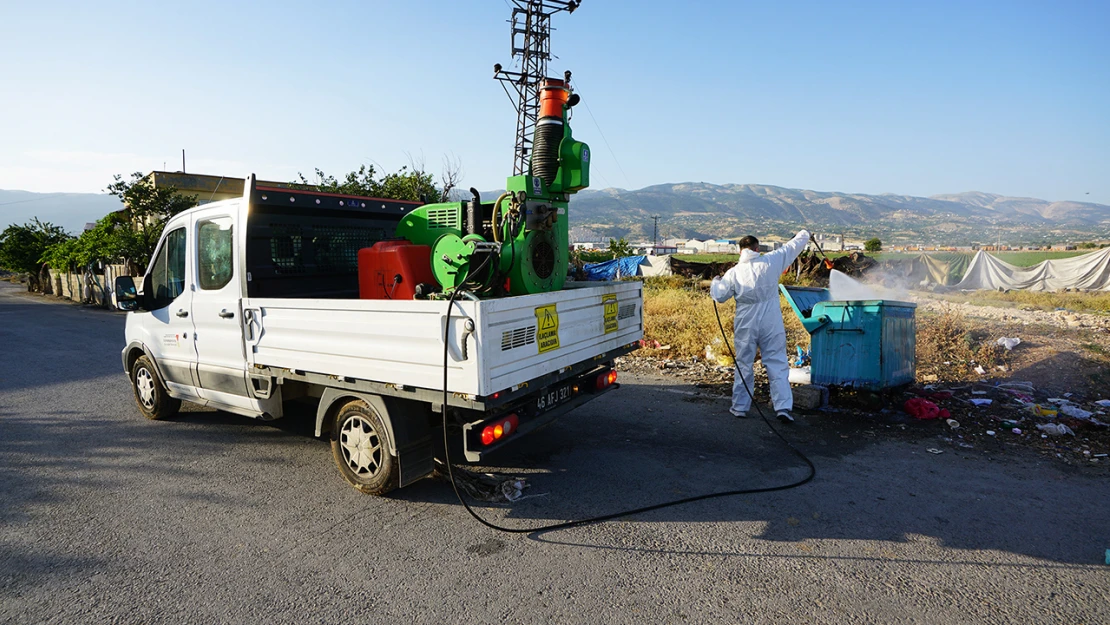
(182, 313)
(226, 314)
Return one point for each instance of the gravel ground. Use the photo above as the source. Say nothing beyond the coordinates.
(214, 518)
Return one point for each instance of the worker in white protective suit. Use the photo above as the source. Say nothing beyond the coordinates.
(754, 282)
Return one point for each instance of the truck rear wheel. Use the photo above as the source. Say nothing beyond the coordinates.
(150, 392)
(360, 447)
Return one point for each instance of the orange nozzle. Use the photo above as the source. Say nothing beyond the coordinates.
(553, 95)
(828, 264)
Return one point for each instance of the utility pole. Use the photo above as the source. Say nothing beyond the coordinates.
(531, 43)
(655, 234)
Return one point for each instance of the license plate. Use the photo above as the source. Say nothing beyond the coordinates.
(553, 397)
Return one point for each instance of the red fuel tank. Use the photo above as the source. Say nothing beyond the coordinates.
(392, 269)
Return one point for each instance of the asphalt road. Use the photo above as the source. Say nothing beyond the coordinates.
(214, 518)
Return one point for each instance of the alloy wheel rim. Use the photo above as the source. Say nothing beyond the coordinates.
(361, 446)
(144, 383)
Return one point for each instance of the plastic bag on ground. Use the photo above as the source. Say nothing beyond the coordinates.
(799, 375)
(1055, 429)
(717, 352)
(921, 408)
(1009, 343)
(1072, 410)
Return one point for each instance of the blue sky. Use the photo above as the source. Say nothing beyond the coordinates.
(939, 97)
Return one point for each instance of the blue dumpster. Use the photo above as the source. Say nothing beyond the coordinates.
(868, 344)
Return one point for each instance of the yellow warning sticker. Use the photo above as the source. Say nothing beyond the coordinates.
(547, 328)
(610, 303)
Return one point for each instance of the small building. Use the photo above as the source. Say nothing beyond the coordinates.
(660, 250)
(209, 188)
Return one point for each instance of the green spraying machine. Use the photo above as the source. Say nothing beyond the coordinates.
(518, 244)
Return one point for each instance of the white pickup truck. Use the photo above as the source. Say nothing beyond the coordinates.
(250, 303)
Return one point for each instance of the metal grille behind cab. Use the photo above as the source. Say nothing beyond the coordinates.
(518, 338)
(443, 218)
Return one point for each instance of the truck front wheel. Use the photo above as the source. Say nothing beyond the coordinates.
(360, 446)
(150, 393)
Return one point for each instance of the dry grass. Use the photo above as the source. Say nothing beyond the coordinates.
(678, 313)
(948, 348)
(1039, 300)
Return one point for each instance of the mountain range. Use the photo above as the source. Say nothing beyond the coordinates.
(702, 210)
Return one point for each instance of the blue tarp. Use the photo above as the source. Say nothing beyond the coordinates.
(627, 266)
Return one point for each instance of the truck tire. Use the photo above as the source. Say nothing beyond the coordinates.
(150, 393)
(360, 447)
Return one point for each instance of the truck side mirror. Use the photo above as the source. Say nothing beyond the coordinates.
(124, 295)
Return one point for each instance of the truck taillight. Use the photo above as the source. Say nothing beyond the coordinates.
(499, 429)
(607, 379)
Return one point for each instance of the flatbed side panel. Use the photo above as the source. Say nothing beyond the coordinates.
(399, 341)
(512, 333)
(395, 342)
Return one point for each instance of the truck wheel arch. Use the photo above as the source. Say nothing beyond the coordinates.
(132, 352)
(407, 424)
(333, 399)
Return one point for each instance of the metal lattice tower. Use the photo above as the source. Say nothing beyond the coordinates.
(531, 44)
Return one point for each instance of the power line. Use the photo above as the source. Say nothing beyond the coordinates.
(600, 132)
(34, 199)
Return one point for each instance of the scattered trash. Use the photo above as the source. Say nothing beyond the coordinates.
(1041, 411)
(1024, 398)
(1108, 556)
(802, 358)
(980, 370)
(1009, 343)
(1100, 455)
(981, 402)
(921, 408)
(1072, 410)
(990, 432)
(486, 486)
(1105, 403)
(1055, 429)
(954, 424)
(978, 392)
(930, 377)
(799, 375)
(716, 352)
(1016, 431)
(934, 450)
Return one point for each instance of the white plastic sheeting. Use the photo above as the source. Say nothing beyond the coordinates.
(656, 266)
(1089, 272)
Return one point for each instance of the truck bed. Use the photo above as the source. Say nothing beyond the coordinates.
(400, 342)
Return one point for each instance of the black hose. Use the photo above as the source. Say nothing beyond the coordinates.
(545, 148)
(623, 513)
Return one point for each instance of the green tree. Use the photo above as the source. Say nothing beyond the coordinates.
(408, 183)
(22, 248)
(873, 245)
(619, 248)
(132, 233)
